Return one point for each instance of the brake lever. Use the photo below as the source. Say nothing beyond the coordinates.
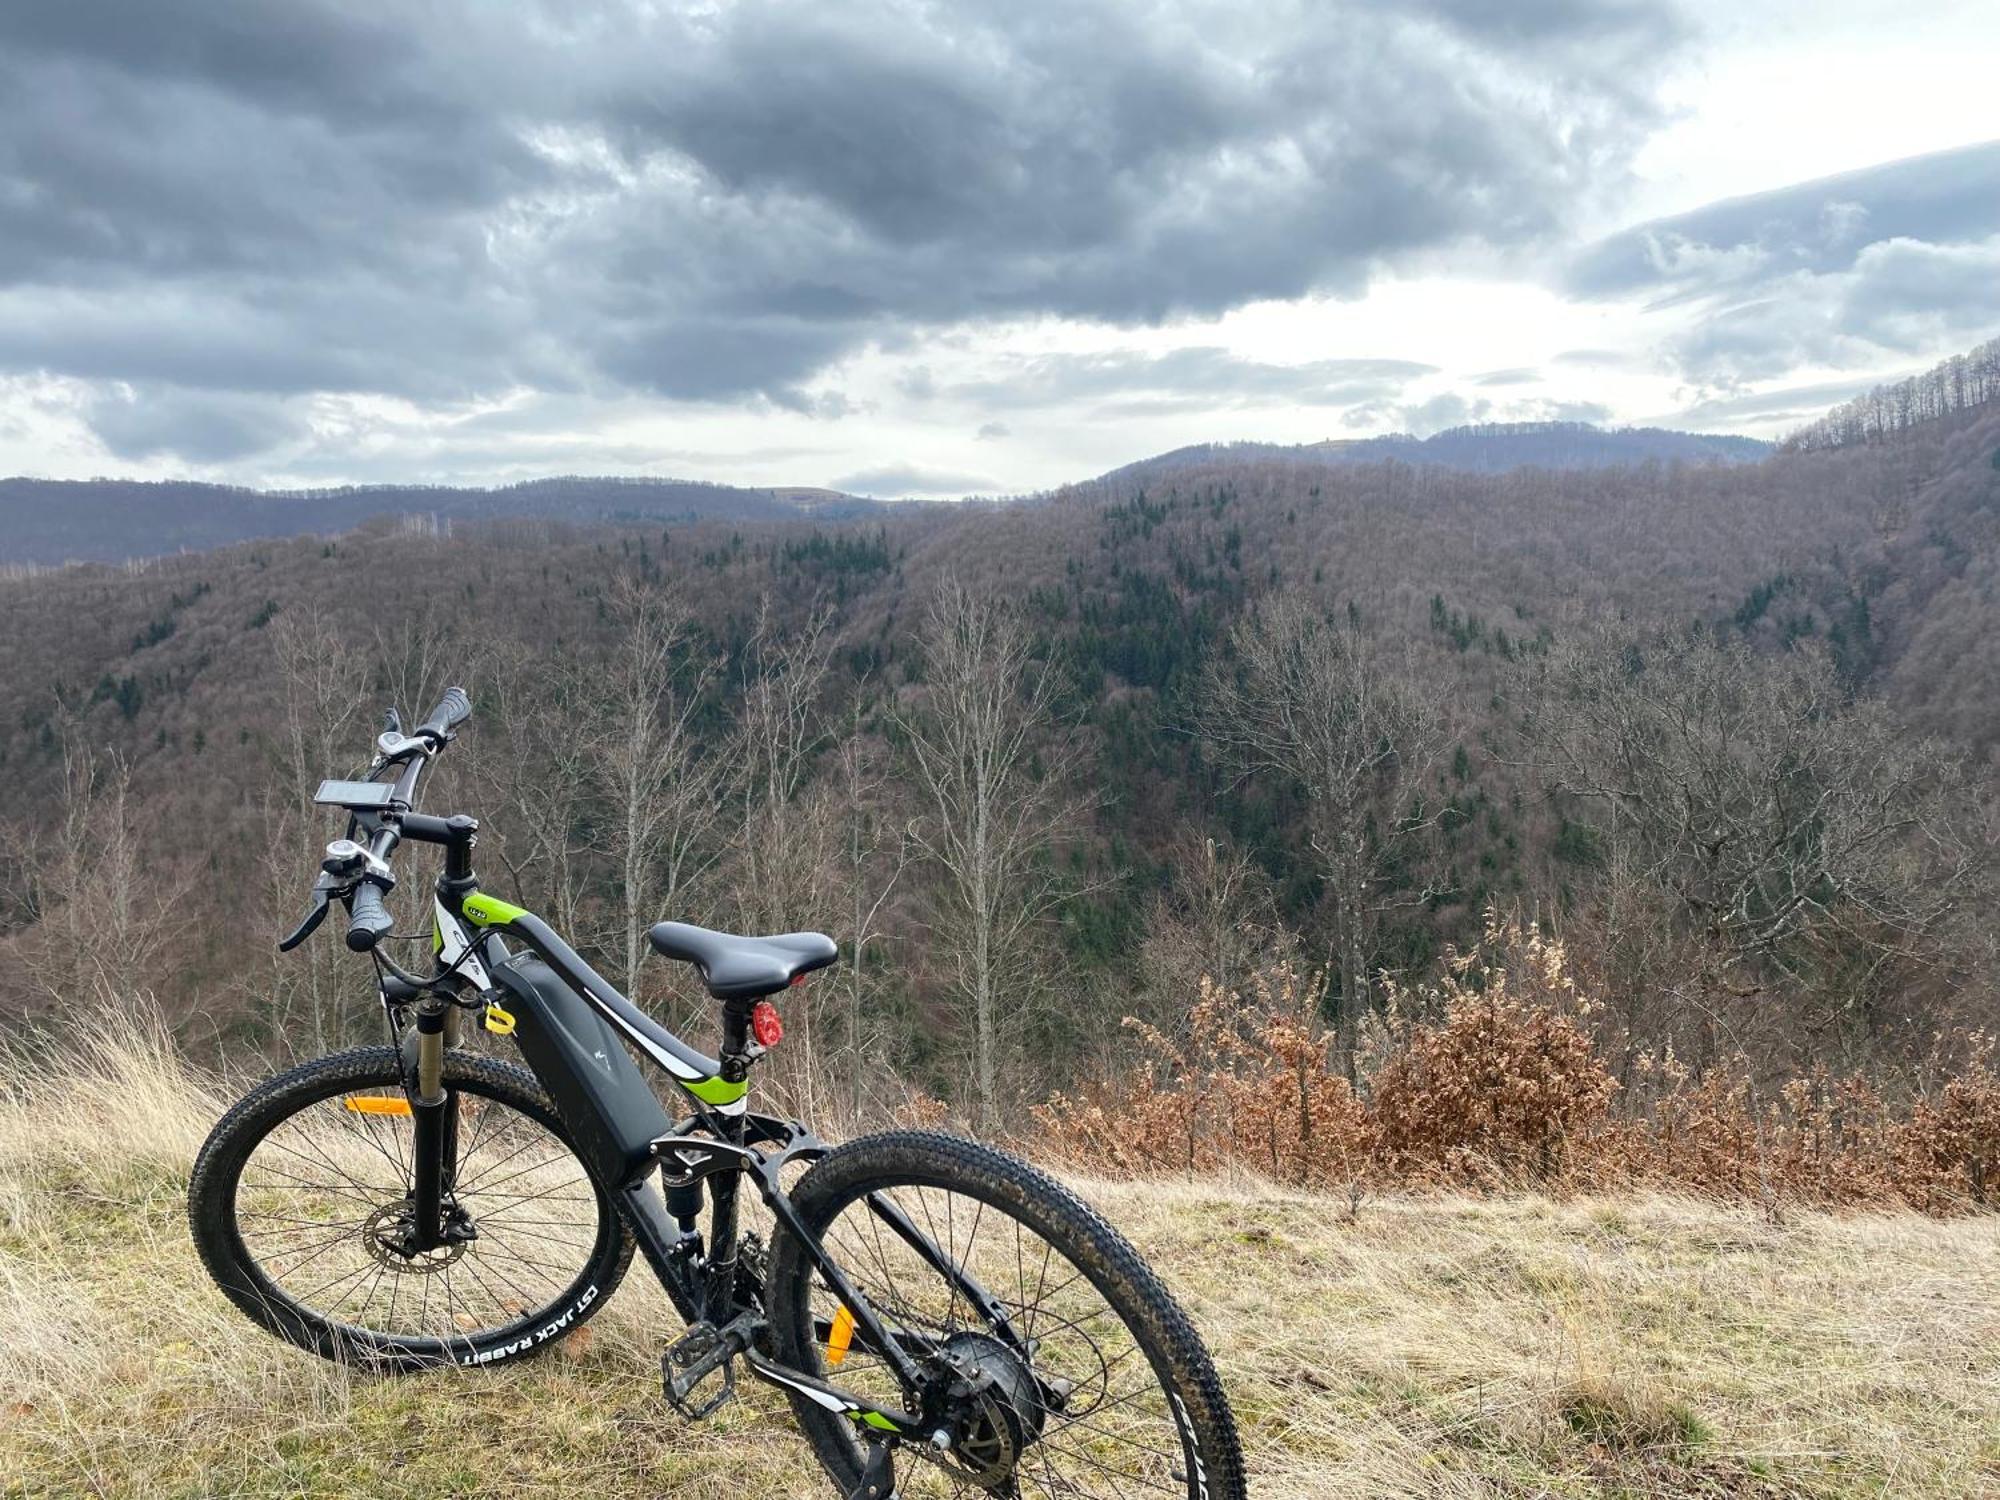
(324, 889)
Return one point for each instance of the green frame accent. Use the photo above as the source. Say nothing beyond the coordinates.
(490, 911)
(715, 1090)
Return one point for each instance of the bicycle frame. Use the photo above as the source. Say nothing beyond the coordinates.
(720, 1143)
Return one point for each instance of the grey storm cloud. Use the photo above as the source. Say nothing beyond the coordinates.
(1452, 409)
(1899, 259)
(1822, 226)
(1797, 403)
(447, 201)
(1420, 418)
(202, 426)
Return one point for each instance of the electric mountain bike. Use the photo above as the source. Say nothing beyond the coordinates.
(921, 1298)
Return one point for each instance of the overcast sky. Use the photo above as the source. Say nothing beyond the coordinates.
(931, 249)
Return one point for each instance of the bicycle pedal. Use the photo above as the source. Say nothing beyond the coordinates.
(680, 1388)
(694, 1346)
(699, 1353)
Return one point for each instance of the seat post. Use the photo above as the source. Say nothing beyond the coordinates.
(720, 1293)
(736, 1037)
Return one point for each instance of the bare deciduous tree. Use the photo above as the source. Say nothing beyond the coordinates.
(784, 845)
(873, 860)
(536, 780)
(984, 752)
(664, 795)
(100, 918)
(1216, 919)
(320, 734)
(1308, 697)
(1798, 830)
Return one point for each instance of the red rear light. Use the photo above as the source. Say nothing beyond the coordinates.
(765, 1024)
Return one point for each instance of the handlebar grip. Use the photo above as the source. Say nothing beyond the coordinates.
(453, 709)
(369, 920)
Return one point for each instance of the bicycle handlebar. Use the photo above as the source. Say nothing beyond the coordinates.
(368, 914)
(368, 919)
(452, 710)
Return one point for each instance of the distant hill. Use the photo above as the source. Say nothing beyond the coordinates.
(46, 521)
(1491, 448)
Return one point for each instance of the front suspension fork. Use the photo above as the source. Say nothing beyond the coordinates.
(434, 1118)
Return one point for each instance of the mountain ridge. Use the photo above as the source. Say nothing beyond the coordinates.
(1484, 448)
(48, 522)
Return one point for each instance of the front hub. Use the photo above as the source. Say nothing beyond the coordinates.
(390, 1233)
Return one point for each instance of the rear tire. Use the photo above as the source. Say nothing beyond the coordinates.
(527, 1311)
(1002, 1205)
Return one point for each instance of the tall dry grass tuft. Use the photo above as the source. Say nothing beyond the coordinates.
(107, 1106)
(1492, 1077)
(98, 1130)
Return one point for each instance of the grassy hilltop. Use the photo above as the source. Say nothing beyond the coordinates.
(1516, 1346)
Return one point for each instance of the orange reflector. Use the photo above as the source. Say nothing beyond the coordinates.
(839, 1336)
(371, 1104)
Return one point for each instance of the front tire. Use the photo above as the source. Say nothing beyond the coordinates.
(1145, 1412)
(296, 1197)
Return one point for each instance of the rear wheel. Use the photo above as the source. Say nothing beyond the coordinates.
(301, 1206)
(1081, 1377)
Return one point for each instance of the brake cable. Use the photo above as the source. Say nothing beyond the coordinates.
(433, 983)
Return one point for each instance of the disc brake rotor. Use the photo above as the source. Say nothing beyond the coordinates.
(387, 1233)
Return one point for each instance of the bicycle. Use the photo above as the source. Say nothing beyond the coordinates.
(417, 1204)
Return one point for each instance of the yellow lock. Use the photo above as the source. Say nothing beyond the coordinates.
(498, 1021)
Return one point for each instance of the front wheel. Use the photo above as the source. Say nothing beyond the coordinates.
(1086, 1379)
(302, 1206)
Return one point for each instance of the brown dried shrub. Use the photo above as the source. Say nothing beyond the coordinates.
(1499, 1087)
(1242, 1081)
(1492, 1079)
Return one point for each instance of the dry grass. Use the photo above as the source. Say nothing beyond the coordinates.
(1641, 1346)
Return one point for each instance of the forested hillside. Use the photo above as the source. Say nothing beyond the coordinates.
(1729, 728)
(45, 522)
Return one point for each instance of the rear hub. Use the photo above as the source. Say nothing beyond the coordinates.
(996, 1409)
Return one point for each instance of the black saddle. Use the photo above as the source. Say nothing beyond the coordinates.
(740, 968)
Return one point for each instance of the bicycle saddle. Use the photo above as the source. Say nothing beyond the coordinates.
(741, 968)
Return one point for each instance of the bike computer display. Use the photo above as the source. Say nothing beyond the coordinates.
(360, 795)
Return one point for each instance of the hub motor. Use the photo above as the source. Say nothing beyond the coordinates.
(997, 1419)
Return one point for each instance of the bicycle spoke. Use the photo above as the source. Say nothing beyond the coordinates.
(1114, 1436)
(324, 1206)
